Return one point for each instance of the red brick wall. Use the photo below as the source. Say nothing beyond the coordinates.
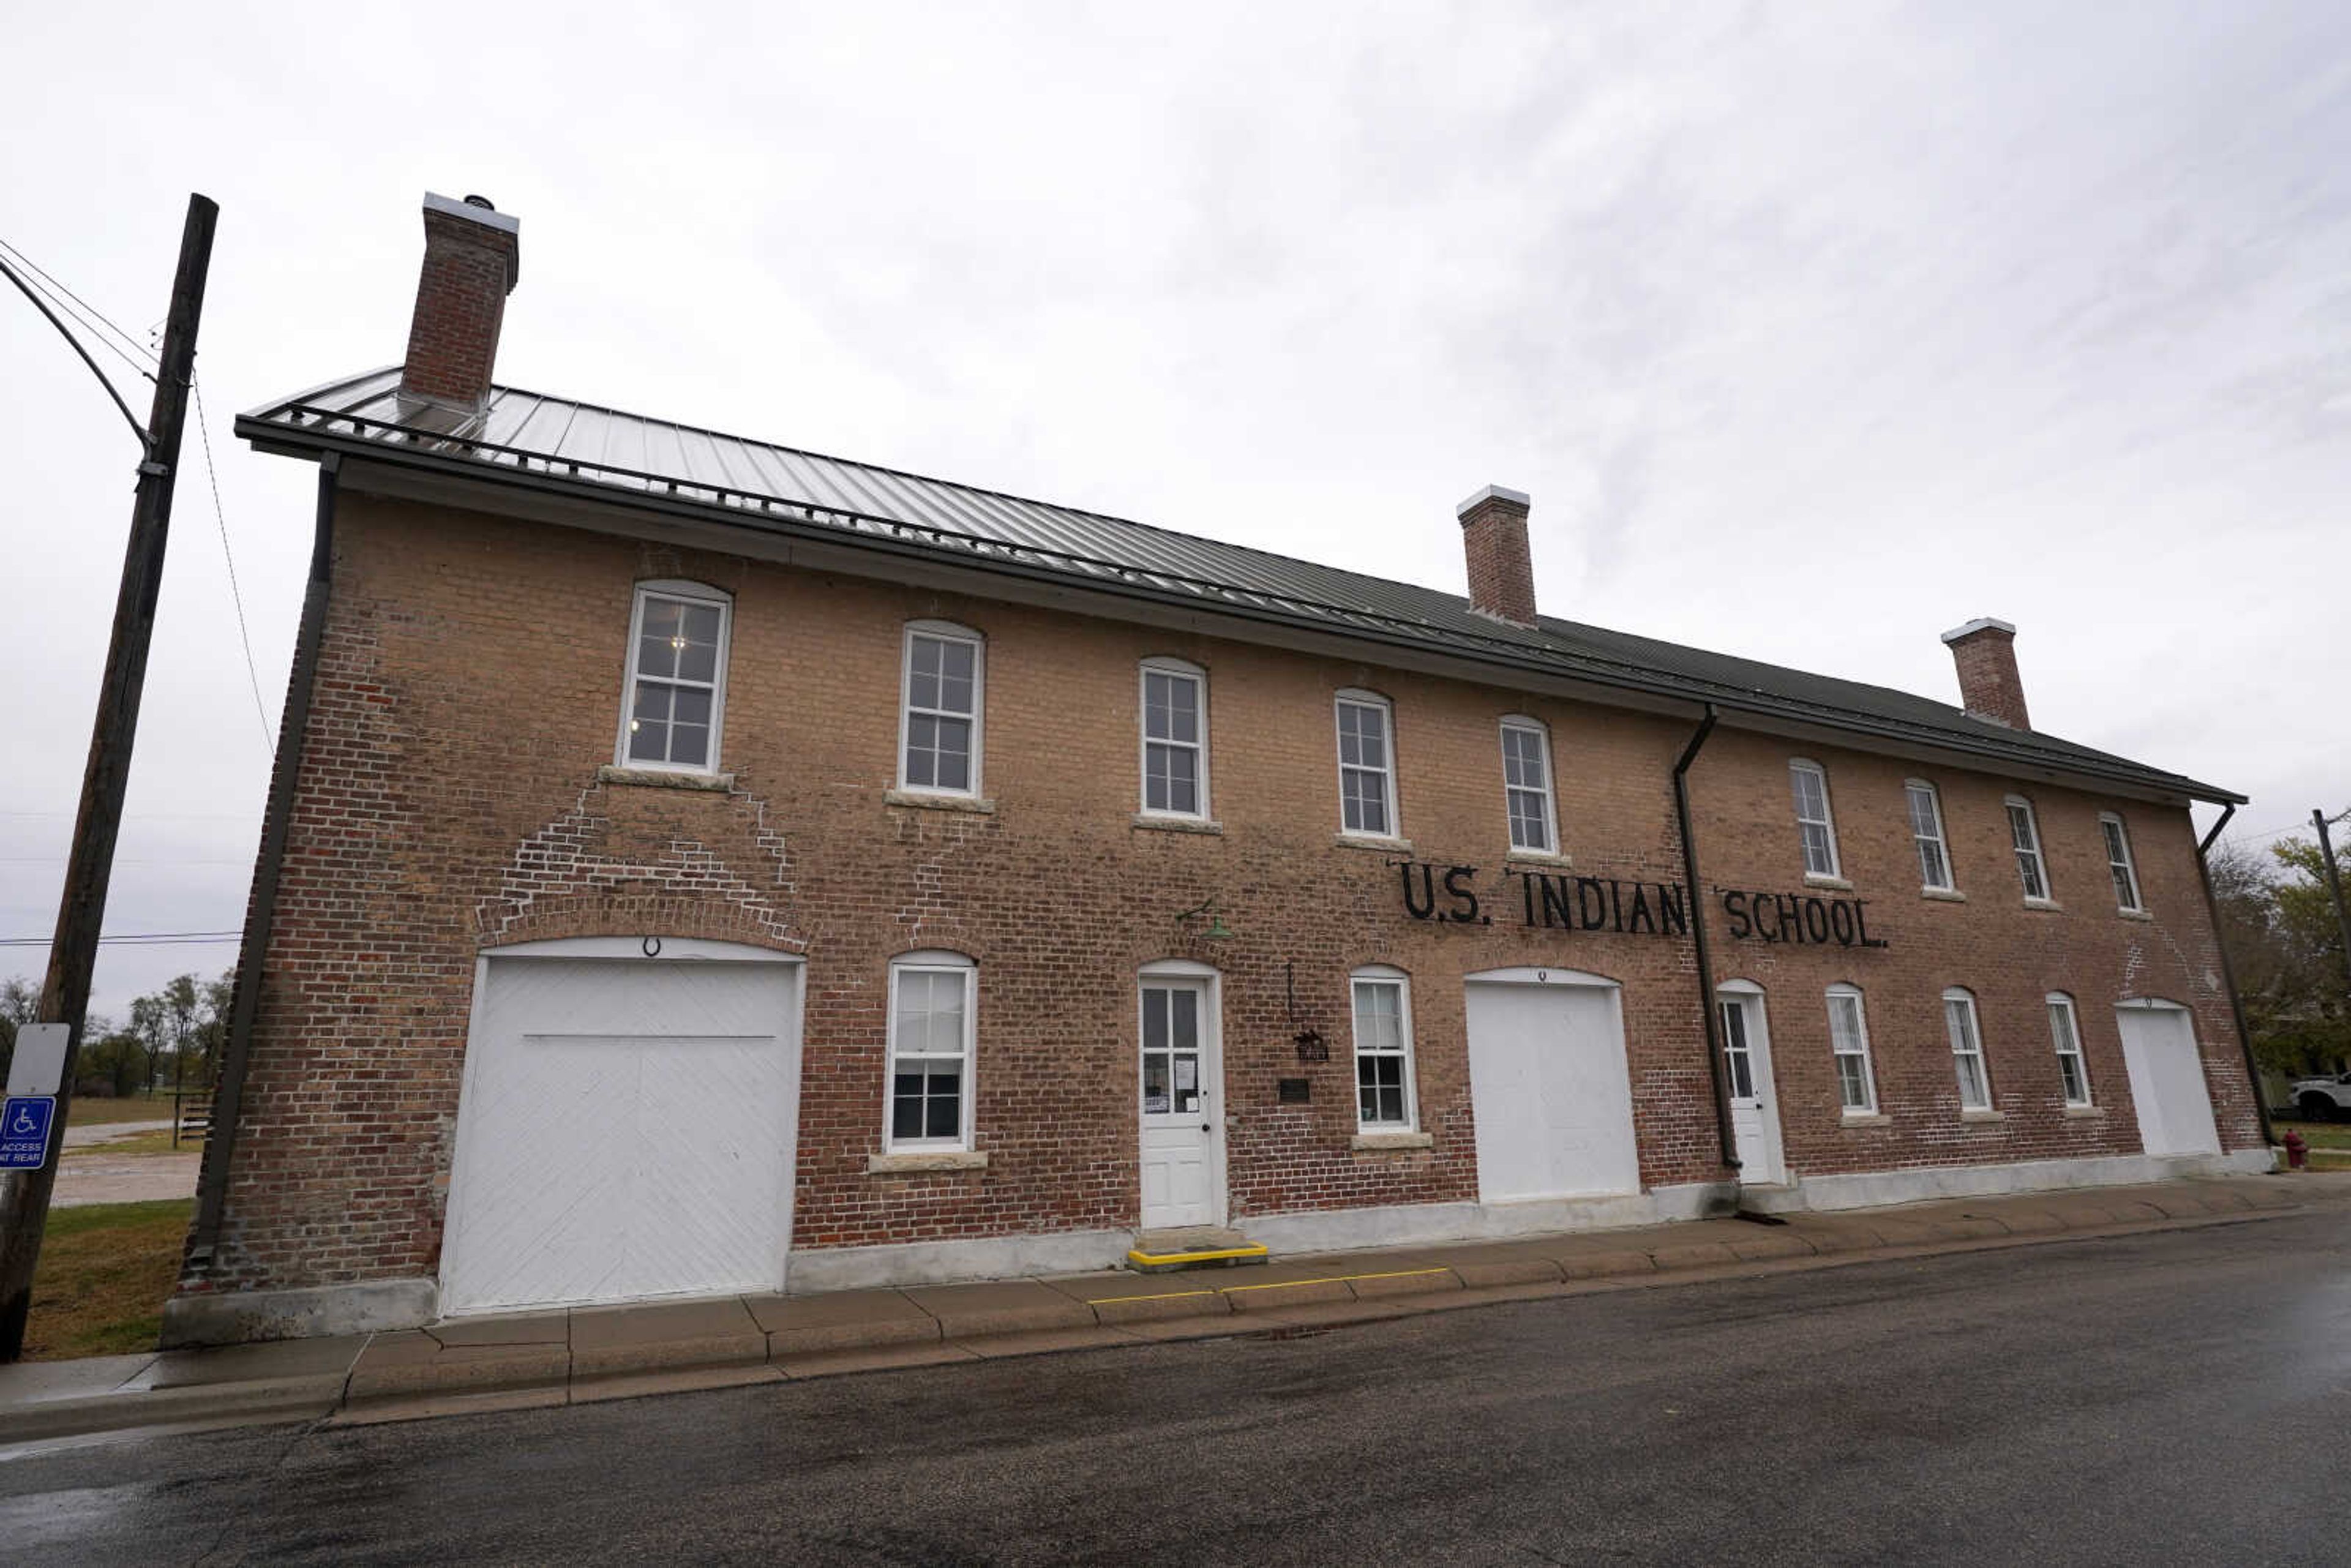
(461, 304)
(1501, 566)
(450, 802)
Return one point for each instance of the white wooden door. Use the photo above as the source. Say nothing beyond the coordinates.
(1747, 1075)
(2167, 1081)
(622, 1134)
(1182, 1177)
(1552, 1096)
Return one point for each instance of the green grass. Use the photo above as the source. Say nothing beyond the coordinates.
(155, 1143)
(2317, 1134)
(105, 1270)
(89, 1108)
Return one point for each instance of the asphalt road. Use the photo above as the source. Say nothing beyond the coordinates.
(2179, 1397)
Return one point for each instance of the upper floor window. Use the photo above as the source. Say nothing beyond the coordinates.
(1383, 1007)
(1526, 785)
(940, 712)
(1849, 1044)
(2118, 862)
(1927, 832)
(931, 1038)
(1813, 821)
(1175, 739)
(1966, 1050)
(2067, 1034)
(677, 678)
(2025, 832)
(1366, 765)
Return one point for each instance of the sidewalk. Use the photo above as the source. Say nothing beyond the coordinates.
(616, 1352)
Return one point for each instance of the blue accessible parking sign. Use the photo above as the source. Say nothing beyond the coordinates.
(25, 1132)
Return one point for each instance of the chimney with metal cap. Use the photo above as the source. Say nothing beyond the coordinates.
(472, 259)
(1985, 651)
(1501, 571)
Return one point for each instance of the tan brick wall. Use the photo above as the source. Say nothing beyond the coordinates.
(468, 694)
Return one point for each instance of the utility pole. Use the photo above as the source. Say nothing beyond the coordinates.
(73, 953)
(2334, 889)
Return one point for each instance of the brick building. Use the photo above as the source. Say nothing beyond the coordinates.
(698, 865)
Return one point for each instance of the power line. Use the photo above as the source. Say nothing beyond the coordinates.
(139, 939)
(42, 305)
(236, 596)
(41, 272)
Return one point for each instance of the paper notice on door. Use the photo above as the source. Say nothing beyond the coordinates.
(1155, 1104)
(1188, 1074)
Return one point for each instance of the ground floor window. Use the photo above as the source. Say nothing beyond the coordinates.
(1382, 1050)
(931, 1051)
(1849, 1042)
(1967, 1050)
(2066, 1033)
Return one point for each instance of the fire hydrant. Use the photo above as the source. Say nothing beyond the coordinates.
(2297, 1153)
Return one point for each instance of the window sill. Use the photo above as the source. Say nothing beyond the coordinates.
(1983, 1115)
(2134, 914)
(664, 779)
(1538, 857)
(2047, 905)
(1833, 884)
(1865, 1119)
(1373, 1141)
(917, 1161)
(1178, 824)
(923, 800)
(1347, 841)
(2084, 1113)
(1943, 895)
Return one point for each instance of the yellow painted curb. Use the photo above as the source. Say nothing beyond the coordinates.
(1329, 1280)
(1150, 1259)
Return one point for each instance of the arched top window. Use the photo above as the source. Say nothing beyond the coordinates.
(2066, 1034)
(2024, 836)
(2119, 864)
(1175, 739)
(1527, 799)
(1380, 999)
(933, 1032)
(942, 688)
(674, 697)
(1924, 804)
(1367, 785)
(1809, 782)
(1967, 1049)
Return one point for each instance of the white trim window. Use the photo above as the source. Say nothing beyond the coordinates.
(1175, 739)
(1966, 1050)
(931, 1055)
(940, 708)
(2025, 834)
(1382, 1012)
(1366, 765)
(1810, 784)
(1849, 1044)
(1526, 785)
(1927, 831)
(2118, 862)
(675, 693)
(2065, 1033)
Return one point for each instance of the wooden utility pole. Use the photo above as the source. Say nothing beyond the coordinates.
(2335, 890)
(73, 953)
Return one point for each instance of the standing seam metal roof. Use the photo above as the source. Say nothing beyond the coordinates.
(534, 438)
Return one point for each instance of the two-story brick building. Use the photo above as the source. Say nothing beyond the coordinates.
(698, 865)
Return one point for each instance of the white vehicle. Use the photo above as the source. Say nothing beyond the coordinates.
(2323, 1099)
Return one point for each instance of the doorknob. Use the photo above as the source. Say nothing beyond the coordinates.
(1206, 1128)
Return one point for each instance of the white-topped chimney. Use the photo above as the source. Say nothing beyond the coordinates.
(1501, 568)
(1985, 651)
(472, 257)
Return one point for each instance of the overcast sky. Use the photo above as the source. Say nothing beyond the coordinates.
(1813, 329)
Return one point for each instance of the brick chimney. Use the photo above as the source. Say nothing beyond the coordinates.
(1501, 571)
(1985, 651)
(472, 259)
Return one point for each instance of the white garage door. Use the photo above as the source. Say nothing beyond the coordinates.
(1552, 1096)
(2167, 1081)
(624, 1132)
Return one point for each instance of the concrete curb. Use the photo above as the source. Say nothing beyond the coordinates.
(593, 1354)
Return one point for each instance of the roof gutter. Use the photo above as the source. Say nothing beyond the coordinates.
(2229, 974)
(1706, 999)
(1135, 582)
(260, 915)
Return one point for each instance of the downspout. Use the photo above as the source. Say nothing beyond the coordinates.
(1697, 931)
(2228, 976)
(228, 1101)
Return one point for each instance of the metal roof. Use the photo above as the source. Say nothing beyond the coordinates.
(557, 443)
